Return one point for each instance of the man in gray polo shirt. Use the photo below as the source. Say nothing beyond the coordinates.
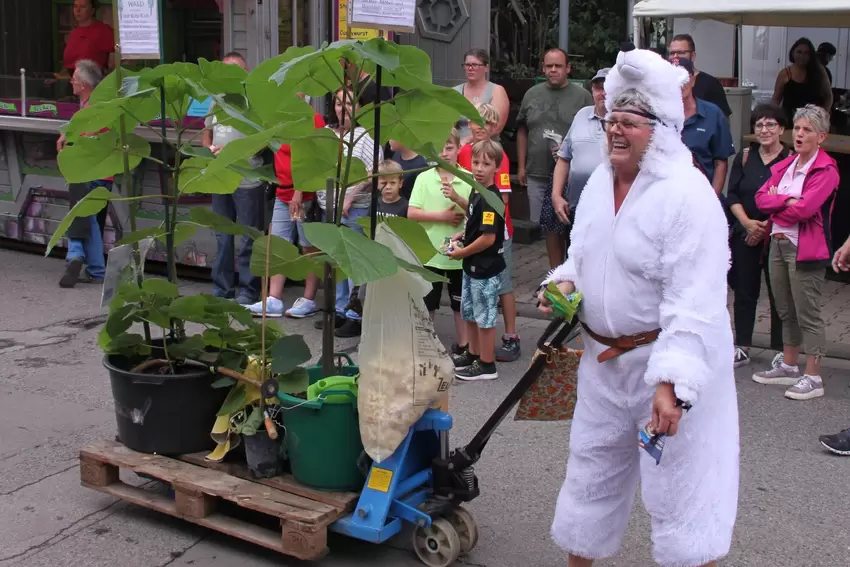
(547, 108)
(580, 154)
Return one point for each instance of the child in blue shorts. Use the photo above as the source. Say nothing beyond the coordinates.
(481, 249)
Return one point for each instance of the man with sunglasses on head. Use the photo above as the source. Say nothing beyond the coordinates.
(706, 132)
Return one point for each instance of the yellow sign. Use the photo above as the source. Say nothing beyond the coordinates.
(351, 33)
(489, 218)
(379, 479)
(505, 179)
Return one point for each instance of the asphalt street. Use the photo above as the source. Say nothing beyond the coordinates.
(55, 397)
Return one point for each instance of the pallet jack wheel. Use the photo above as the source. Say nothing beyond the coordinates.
(437, 545)
(466, 527)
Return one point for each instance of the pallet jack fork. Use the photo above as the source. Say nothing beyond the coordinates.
(423, 484)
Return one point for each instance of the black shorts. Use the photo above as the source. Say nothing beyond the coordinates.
(455, 277)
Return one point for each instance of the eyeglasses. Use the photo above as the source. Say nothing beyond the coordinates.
(625, 125)
(472, 65)
(766, 126)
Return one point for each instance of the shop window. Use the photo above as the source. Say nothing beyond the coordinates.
(292, 27)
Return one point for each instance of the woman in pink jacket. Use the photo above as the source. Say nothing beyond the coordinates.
(798, 198)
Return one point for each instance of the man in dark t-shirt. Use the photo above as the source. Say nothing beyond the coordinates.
(706, 87)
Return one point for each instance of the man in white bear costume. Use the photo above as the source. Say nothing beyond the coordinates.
(649, 253)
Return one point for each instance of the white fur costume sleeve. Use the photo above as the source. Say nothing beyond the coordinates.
(694, 261)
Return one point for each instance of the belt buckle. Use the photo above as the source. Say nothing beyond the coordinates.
(641, 339)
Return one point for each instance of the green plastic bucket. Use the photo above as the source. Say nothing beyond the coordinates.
(323, 436)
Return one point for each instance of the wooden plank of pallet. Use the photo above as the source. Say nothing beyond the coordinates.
(343, 501)
(245, 493)
(297, 543)
(196, 493)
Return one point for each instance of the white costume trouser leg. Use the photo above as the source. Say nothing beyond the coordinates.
(691, 496)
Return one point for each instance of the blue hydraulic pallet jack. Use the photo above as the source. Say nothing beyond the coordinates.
(424, 484)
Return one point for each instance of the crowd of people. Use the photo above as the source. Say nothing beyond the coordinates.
(629, 179)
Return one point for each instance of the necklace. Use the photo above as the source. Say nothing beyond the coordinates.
(771, 155)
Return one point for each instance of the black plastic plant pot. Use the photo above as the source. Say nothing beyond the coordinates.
(263, 455)
(164, 414)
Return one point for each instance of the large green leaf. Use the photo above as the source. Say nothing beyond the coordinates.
(265, 173)
(426, 274)
(267, 97)
(411, 232)
(221, 77)
(139, 235)
(314, 160)
(109, 89)
(89, 205)
(140, 108)
(284, 259)
(378, 51)
(160, 287)
(363, 260)
(413, 70)
(314, 73)
(87, 158)
(197, 176)
(294, 382)
(289, 352)
(417, 118)
(214, 221)
(490, 197)
(189, 308)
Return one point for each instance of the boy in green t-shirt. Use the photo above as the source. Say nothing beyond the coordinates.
(438, 202)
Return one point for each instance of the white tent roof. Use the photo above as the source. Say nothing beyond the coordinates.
(796, 13)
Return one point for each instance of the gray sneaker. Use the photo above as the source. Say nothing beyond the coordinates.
(806, 388)
(780, 375)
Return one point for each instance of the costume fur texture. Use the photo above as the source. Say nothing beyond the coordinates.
(660, 262)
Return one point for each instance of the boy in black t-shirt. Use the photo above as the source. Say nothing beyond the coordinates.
(390, 179)
(483, 263)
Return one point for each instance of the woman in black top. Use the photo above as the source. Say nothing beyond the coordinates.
(750, 170)
(803, 82)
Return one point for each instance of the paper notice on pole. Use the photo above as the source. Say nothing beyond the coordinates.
(346, 32)
(138, 29)
(397, 15)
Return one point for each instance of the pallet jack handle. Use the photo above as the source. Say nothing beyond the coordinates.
(454, 477)
(477, 444)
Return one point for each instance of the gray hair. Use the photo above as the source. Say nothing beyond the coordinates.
(89, 72)
(817, 117)
(632, 97)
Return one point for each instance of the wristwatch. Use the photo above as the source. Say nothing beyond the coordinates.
(683, 404)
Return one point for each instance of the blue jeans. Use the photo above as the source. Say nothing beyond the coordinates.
(89, 250)
(345, 287)
(247, 207)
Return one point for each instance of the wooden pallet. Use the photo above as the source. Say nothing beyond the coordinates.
(200, 487)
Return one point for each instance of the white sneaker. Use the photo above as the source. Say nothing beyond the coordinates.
(302, 308)
(274, 308)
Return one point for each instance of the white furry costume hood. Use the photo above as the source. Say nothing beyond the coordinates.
(661, 83)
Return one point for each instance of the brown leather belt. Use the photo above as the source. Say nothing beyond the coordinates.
(779, 236)
(621, 345)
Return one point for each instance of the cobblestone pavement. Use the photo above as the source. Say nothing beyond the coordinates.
(531, 264)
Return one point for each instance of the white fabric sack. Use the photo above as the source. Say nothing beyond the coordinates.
(403, 365)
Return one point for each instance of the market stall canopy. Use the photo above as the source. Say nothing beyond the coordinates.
(795, 13)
